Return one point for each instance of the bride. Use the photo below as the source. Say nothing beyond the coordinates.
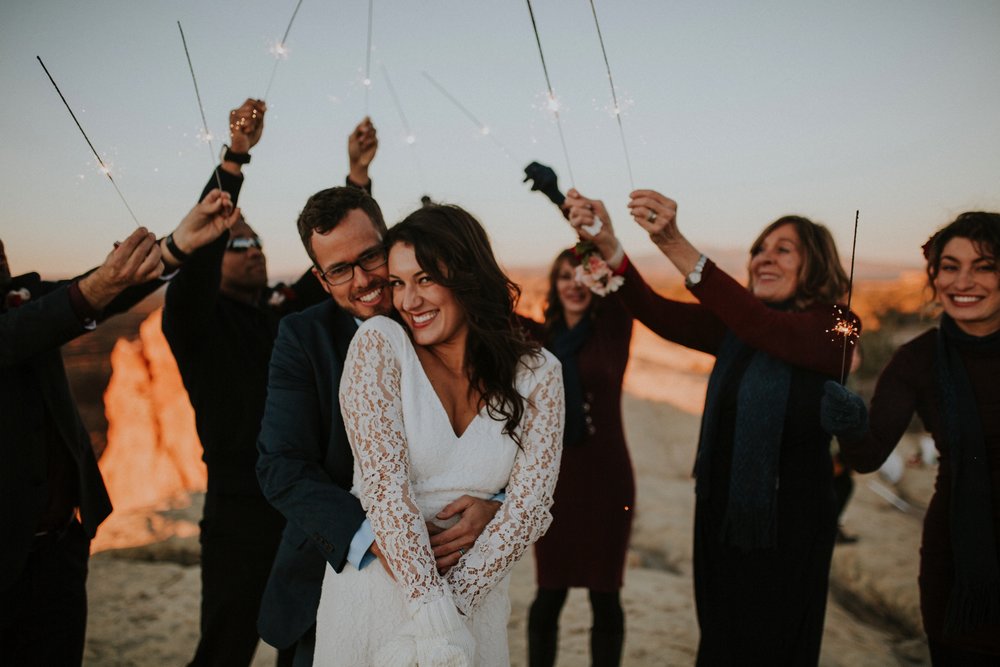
(457, 402)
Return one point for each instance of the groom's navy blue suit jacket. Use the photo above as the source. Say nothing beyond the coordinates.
(305, 467)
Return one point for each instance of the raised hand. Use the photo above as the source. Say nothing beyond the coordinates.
(362, 145)
(590, 219)
(205, 222)
(842, 412)
(133, 261)
(246, 124)
(656, 214)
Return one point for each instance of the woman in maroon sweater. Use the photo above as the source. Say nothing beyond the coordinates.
(594, 500)
(950, 377)
(765, 511)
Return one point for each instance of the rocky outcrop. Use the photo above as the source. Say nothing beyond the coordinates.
(153, 456)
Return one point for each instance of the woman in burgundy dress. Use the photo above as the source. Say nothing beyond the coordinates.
(765, 511)
(592, 514)
(950, 377)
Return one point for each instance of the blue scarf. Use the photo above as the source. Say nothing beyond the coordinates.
(566, 344)
(751, 518)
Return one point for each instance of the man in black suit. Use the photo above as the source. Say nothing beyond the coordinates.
(220, 318)
(52, 496)
(306, 466)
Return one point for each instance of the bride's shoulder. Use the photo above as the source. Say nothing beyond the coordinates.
(382, 328)
(535, 368)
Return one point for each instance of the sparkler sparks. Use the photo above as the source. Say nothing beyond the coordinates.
(279, 50)
(847, 326)
(614, 95)
(552, 96)
(201, 108)
(104, 168)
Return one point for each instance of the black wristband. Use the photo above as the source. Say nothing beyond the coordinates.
(178, 254)
(229, 156)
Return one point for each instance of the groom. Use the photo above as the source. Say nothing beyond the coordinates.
(305, 465)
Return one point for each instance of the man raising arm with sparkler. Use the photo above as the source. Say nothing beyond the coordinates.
(53, 495)
(220, 318)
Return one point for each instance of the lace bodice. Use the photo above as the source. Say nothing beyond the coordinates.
(409, 464)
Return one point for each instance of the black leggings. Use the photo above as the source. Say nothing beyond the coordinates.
(606, 607)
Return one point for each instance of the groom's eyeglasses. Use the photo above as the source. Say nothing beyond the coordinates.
(342, 273)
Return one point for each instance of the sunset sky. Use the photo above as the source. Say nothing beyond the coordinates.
(741, 111)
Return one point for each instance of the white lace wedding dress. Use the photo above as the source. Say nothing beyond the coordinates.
(409, 464)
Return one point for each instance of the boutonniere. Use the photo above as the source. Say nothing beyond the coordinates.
(279, 295)
(17, 297)
(593, 272)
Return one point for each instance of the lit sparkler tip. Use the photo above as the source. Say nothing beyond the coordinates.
(484, 130)
(204, 136)
(552, 103)
(278, 50)
(410, 139)
(366, 82)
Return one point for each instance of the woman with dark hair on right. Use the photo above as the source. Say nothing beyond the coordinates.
(950, 377)
(765, 511)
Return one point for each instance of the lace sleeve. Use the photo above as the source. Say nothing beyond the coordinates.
(524, 515)
(373, 417)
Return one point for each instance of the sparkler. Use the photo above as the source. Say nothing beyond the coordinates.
(483, 128)
(411, 139)
(846, 325)
(368, 54)
(104, 168)
(553, 103)
(614, 96)
(204, 123)
(280, 50)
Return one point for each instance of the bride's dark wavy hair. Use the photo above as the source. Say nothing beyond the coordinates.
(454, 250)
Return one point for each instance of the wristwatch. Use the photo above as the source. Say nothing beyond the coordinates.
(229, 156)
(694, 277)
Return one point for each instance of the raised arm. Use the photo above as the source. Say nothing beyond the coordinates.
(524, 515)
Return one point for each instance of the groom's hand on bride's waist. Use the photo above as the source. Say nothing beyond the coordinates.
(450, 544)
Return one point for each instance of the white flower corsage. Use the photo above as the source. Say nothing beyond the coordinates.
(594, 273)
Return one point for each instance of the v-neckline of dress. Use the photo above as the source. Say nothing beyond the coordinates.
(437, 398)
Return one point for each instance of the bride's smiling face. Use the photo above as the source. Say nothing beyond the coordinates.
(431, 311)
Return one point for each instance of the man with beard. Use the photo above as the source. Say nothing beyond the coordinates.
(220, 319)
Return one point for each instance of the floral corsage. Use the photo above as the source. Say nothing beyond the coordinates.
(593, 272)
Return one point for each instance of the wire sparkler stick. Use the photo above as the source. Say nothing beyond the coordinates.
(484, 129)
(847, 327)
(553, 103)
(614, 95)
(104, 167)
(201, 108)
(280, 51)
(368, 54)
(410, 137)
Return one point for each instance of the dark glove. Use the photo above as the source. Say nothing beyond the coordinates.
(842, 412)
(545, 180)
